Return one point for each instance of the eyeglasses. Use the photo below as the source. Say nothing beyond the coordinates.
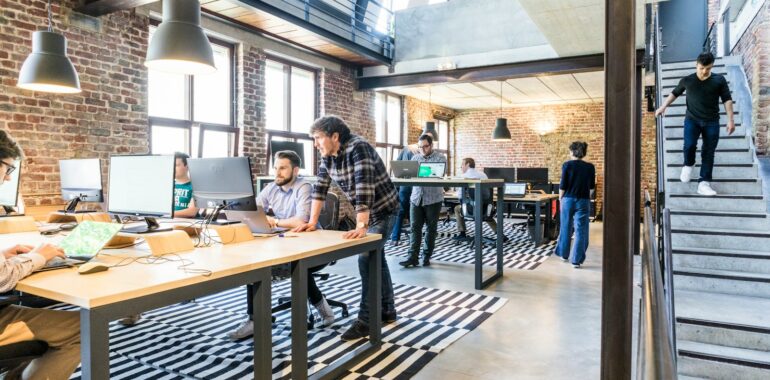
(425, 146)
(9, 168)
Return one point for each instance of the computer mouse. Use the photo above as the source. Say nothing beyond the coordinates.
(89, 268)
(68, 226)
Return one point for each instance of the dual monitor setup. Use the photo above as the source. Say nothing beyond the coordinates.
(409, 169)
(518, 180)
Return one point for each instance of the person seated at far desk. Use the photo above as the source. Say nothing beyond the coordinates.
(59, 329)
(289, 199)
(469, 172)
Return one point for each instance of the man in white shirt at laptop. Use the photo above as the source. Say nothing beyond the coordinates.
(469, 172)
(287, 202)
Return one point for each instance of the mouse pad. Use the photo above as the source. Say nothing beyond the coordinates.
(88, 238)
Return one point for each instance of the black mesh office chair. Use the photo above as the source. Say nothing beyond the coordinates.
(16, 354)
(329, 220)
(488, 210)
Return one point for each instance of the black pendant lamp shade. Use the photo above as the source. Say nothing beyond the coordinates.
(501, 131)
(430, 126)
(179, 44)
(47, 68)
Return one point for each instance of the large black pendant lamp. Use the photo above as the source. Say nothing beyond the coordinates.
(179, 44)
(501, 132)
(47, 68)
(430, 126)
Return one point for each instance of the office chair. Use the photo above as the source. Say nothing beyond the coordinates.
(15, 354)
(329, 220)
(488, 210)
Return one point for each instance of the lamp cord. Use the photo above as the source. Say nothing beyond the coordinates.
(50, 19)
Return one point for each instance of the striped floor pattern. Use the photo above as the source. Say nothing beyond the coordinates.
(519, 252)
(188, 341)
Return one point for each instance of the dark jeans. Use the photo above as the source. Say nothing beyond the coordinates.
(693, 129)
(379, 225)
(404, 193)
(313, 293)
(574, 217)
(419, 216)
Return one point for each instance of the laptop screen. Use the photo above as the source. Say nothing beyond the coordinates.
(431, 169)
(88, 238)
(515, 188)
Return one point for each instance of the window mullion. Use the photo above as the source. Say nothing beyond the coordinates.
(287, 97)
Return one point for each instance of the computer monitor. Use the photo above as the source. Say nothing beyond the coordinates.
(81, 181)
(9, 191)
(508, 175)
(532, 175)
(142, 186)
(223, 184)
(431, 169)
(296, 147)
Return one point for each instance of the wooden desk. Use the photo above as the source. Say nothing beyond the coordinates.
(479, 185)
(134, 288)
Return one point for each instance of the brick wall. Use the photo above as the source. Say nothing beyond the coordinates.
(251, 115)
(108, 117)
(337, 97)
(417, 112)
(713, 11)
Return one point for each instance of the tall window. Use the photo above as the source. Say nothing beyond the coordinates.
(290, 107)
(442, 144)
(194, 114)
(389, 135)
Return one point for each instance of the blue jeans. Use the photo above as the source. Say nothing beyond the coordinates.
(574, 217)
(404, 193)
(710, 131)
(380, 225)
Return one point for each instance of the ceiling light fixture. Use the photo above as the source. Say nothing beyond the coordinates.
(179, 44)
(430, 126)
(501, 132)
(47, 68)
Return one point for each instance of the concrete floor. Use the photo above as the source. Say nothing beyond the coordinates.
(549, 329)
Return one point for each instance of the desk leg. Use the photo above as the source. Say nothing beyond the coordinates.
(548, 221)
(500, 229)
(299, 346)
(375, 297)
(538, 225)
(95, 345)
(477, 236)
(263, 342)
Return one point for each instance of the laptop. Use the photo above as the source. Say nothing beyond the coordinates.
(404, 169)
(515, 190)
(431, 169)
(83, 243)
(256, 220)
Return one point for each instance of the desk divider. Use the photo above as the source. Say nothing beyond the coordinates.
(13, 224)
(233, 233)
(61, 217)
(162, 243)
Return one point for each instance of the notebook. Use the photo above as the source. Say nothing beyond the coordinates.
(83, 243)
(256, 220)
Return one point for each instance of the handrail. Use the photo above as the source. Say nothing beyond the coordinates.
(668, 272)
(655, 348)
(709, 44)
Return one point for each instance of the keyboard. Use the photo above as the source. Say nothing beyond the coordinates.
(58, 263)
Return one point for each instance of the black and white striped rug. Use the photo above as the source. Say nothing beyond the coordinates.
(189, 341)
(519, 252)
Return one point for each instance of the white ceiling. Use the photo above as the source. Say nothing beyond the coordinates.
(542, 90)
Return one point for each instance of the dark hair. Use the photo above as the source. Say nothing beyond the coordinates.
(292, 156)
(427, 138)
(329, 125)
(578, 149)
(705, 58)
(471, 162)
(8, 147)
(181, 156)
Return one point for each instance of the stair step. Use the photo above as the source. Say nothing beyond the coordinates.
(723, 308)
(718, 219)
(684, 377)
(719, 362)
(673, 80)
(689, 64)
(720, 238)
(670, 84)
(677, 131)
(673, 121)
(723, 334)
(717, 202)
(738, 156)
(720, 185)
(719, 171)
(683, 72)
(682, 100)
(722, 259)
(722, 281)
(733, 141)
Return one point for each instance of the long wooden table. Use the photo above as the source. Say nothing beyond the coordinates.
(478, 185)
(120, 291)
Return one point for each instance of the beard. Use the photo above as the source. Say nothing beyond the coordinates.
(284, 180)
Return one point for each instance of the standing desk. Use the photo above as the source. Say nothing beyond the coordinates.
(134, 288)
(478, 185)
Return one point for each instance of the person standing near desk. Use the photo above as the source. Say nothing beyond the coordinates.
(577, 179)
(289, 199)
(425, 208)
(59, 329)
(404, 193)
(469, 171)
(357, 168)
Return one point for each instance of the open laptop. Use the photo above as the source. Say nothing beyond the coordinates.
(256, 220)
(404, 169)
(515, 190)
(83, 243)
(432, 169)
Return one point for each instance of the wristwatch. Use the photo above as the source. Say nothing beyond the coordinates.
(361, 225)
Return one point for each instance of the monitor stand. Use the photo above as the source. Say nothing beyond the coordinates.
(152, 226)
(214, 219)
(72, 207)
(10, 211)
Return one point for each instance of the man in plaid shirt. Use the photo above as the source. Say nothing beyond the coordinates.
(357, 168)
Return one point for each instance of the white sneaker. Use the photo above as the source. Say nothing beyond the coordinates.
(686, 173)
(326, 312)
(245, 330)
(704, 188)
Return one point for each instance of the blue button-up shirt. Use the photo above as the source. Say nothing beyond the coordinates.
(423, 196)
(471, 173)
(287, 201)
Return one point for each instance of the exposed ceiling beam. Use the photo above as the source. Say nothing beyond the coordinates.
(98, 8)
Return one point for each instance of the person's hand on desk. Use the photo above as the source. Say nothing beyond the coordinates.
(355, 234)
(272, 222)
(305, 227)
(16, 250)
(49, 251)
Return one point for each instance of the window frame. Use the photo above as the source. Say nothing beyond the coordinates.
(389, 147)
(189, 123)
(448, 149)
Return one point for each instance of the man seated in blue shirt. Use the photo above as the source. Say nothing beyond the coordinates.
(288, 199)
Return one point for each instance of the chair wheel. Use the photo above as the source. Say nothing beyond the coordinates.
(345, 313)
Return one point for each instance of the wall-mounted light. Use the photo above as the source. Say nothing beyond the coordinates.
(544, 127)
(449, 65)
(179, 44)
(47, 68)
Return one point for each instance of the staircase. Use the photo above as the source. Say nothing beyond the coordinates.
(721, 248)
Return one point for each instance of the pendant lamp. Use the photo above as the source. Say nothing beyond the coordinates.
(430, 126)
(179, 44)
(501, 132)
(47, 68)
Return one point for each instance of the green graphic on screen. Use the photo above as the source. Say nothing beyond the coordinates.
(88, 238)
(425, 171)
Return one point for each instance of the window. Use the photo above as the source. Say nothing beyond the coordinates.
(194, 114)
(290, 108)
(442, 145)
(389, 131)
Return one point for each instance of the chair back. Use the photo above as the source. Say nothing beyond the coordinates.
(470, 202)
(14, 354)
(330, 213)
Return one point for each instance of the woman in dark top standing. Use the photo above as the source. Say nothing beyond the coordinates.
(577, 179)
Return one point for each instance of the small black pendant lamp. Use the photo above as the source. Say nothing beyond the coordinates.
(430, 126)
(501, 132)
